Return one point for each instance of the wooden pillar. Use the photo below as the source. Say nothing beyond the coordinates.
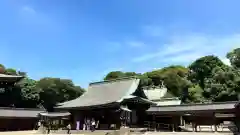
(173, 127)
(237, 116)
(194, 123)
(215, 123)
(175, 122)
(193, 129)
(182, 121)
(154, 122)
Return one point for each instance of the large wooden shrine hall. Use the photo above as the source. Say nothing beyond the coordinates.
(152, 108)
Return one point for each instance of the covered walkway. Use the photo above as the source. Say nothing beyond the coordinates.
(215, 117)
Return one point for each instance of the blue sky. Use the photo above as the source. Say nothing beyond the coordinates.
(85, 39)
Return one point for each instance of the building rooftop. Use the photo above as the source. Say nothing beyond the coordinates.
(104, 93)
(194, 107)
(161, 96)
(20, 112)
(10, 78)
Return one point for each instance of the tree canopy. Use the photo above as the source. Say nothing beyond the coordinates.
(30, 93)
(207, 79)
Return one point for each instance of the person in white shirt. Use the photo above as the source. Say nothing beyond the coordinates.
(93, 124)
(68, 128)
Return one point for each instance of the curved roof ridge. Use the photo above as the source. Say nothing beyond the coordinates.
(103, 93)
(113, 80)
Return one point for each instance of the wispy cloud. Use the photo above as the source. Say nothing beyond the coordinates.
(30, 16)
(28, 9)
(185, 49)
(113, 47)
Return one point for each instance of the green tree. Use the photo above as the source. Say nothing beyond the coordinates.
(56, 90)
(145, 81)
(234, 57)
(155, 77)
(173, 77)
(2, 69)
(29, 93)
(223, 85)
(195, 95)
(114, 75)
(202, 68)
(11, 71)
(119, 74)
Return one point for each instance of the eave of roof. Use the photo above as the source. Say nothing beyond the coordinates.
(11, 78)
(55, 114)
(168, 102)
(194, 107)
(19, 112)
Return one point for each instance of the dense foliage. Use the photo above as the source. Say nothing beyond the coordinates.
(29, 93)
(207, 79)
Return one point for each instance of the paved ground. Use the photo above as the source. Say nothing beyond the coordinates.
(18, 133)
(186, 133)
(148, 133)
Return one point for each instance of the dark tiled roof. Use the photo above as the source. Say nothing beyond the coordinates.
(193, 107)
(20, 112)
(102, 93)
(15, 78)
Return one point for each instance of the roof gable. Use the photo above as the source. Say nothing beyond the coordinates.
(161, 96)
(102, 93)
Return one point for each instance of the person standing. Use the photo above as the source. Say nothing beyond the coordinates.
(68, 128)
(39, 124)
(88, 124)
(93, 124)
(48, 127)
(77, 125)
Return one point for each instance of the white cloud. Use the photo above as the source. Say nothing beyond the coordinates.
(185, 49)
(28, 9)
